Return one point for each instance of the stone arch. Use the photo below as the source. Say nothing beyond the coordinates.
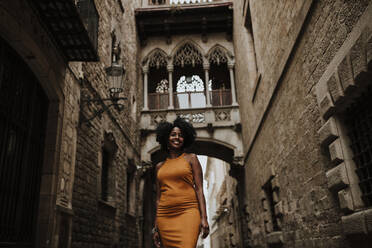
(183, 43)
(155, 54)
(229, 55)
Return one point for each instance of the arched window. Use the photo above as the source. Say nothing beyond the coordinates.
(158, 80)
(220, 94)
(189, 78)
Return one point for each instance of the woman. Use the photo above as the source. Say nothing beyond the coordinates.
(181, 212)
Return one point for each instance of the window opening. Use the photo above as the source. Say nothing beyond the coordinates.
(158, 81)
(190, 92)
(358, 120)
(269, 193)
(105, 175)
(189, 75)
(220, 92)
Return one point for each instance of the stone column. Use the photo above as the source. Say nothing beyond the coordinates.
(206, 71)
(145, 70)
(170, 87)
(230, 65)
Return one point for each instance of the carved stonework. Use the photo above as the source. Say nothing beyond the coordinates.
(157, 60)
(188, 55)
(217, 56)
(156, 118)
(222, 115)
(193, 117)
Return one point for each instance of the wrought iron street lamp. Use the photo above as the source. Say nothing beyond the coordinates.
(115, 74)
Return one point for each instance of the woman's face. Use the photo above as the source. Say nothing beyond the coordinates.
(175, 141)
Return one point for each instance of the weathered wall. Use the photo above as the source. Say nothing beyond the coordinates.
(286, 146)
(100, 223)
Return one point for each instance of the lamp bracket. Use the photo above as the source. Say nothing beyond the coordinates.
(99, 112)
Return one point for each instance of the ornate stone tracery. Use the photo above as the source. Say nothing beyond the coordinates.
(186, 84)
(162, 86)
(188, 55)
(157, 59)
(217, 56)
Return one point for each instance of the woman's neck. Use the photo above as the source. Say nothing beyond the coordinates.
(175, 153)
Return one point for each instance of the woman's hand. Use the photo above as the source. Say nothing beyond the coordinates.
(156, 238)
(204, 228)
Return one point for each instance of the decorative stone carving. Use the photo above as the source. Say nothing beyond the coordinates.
(194, 117)
(157, 60)
(222, 115)
(217, 56)
(156, 118)
(188, 55)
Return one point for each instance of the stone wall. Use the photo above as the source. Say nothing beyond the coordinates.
(281, 123)
(100, 221)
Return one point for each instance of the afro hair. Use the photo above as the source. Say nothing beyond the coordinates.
(164, 129)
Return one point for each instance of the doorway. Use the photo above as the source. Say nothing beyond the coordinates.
(23, 115)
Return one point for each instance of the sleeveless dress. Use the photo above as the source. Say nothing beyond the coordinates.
(178, 216)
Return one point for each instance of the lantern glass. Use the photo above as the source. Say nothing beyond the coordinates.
(115, 75)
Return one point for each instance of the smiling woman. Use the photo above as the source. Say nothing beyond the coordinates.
(180, 206)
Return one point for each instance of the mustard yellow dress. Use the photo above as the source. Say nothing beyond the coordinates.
(178, 216)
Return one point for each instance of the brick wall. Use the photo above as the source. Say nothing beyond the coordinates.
(287, 146)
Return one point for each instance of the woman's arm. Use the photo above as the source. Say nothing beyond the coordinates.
(198, 179)
(156, 236)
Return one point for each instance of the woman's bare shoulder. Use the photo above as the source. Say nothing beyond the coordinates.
(190, 156)
(160, 164)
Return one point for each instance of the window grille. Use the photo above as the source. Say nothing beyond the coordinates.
(359, 125)
(90, 17)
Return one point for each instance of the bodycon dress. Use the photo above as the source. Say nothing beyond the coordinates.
(178, 216)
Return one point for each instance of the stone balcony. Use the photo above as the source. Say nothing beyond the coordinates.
(209, 118)
(218, 132)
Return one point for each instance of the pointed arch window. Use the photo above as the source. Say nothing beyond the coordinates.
(189, 75)
(158, 83)
(220, 94)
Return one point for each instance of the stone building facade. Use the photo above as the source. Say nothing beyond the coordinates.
(305, 63)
